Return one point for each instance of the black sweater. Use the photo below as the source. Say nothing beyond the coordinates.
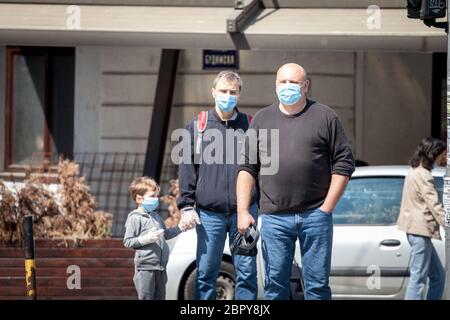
(312, 147)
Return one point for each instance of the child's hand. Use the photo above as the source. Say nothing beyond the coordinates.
(151, 236)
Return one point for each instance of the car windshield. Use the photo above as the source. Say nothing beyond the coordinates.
(373, 200)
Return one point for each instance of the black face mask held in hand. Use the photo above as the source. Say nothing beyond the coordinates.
(245, 244)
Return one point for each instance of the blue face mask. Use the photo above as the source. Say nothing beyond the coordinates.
(289, 93)
(226, 102)
(150, 204)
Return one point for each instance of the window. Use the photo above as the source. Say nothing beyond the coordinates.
(39, 103)
(371, 200)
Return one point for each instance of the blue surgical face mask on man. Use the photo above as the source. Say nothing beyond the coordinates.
(289, 93)
(150, 204)
(226, 102)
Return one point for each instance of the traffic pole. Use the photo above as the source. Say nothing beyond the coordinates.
(30, 265)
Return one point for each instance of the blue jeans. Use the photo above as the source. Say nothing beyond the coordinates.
(279, 232)
(424, 264)
(211, 236)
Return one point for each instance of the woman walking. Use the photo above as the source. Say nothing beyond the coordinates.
(421, 214)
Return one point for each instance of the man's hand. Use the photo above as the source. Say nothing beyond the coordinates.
(189, 218)
(245, 219)
(194, 216)
(185, 225)
(244, 186)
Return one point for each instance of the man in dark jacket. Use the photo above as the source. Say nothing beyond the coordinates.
(208, 183)
(313, 162)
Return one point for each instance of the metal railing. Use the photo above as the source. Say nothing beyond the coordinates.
(108, 176)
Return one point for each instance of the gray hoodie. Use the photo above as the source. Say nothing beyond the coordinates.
(153, 256)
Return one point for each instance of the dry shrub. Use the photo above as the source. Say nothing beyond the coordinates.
(171, 200)
(70, 215)
(82, 221)
(36, 200)
(9, 216)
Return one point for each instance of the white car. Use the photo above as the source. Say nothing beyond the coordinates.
(370, 255)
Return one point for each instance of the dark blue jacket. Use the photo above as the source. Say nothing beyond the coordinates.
(212, 186)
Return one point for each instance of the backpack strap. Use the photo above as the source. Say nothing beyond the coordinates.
(249, 119)
(202, 121)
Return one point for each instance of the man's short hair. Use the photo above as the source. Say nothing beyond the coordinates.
(140, 186)
(229, 76)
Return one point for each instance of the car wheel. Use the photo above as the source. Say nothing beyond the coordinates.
(226, 282)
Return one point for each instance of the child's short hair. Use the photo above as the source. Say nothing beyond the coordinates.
(140, 186)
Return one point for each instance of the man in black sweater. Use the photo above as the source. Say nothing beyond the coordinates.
(299, 185)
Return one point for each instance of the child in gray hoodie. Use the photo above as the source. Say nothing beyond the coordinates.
(146, 233)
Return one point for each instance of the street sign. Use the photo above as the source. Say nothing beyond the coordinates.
(220, 59)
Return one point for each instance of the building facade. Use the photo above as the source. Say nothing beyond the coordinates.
(91, 91)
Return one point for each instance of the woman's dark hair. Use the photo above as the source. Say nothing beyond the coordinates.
(427, 152)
